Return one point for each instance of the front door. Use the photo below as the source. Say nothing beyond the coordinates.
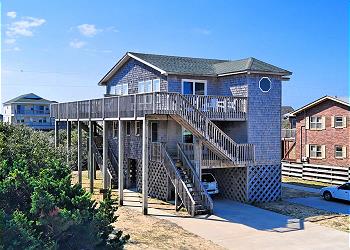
(132, 174)
(154, 132)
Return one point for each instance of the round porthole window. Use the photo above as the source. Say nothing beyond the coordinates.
(265, 84)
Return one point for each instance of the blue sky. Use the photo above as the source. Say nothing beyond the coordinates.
(60, 49)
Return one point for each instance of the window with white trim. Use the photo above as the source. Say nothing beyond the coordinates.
(316, 122)
(121, 89)
(315, 151)
(194, 87)
(338, 121)
(338, 151)
(149, 86)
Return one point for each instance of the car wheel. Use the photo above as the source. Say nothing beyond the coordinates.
(327, 196)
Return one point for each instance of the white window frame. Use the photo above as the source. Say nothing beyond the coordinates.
(316, 122)
(194, 85)
(183, 130)
(335, 121)
(137, 128)
(341, 152)
(152, 86)
(122, 87)
(315, 151)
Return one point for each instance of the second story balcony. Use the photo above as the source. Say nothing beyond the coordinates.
(32, 112)
(226, 108)
(288, 134)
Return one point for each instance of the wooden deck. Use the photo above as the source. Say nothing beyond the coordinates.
(226, 108)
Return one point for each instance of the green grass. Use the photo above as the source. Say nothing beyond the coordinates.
(305, 183)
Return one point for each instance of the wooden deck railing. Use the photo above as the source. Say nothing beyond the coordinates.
(209, 158)
(288, 133)
(214, 107)
(175, 104)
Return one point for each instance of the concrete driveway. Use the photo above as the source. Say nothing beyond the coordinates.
(335, 206)
(240, 226)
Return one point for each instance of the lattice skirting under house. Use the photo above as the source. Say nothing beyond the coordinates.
(232, 183)
(264, 183)
(158, 181)
(257, 183)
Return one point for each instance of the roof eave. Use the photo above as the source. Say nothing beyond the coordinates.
(314, 103)
(121, 62)
(287, 73)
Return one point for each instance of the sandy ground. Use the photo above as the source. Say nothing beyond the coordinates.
(148, 232)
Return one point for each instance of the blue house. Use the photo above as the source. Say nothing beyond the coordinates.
(166, 120)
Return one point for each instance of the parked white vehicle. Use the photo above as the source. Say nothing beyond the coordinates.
(210, 183)
(337, 192)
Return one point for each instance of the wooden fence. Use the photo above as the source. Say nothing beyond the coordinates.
(321, 173)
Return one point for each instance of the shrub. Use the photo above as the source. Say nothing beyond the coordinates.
(39, 206)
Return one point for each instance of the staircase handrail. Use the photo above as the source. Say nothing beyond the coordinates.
(179, 99)
(196, 180)
(177, 181)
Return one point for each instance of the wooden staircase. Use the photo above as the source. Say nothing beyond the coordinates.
(188, 187)
(182, 111)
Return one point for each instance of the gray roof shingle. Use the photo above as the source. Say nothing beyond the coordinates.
(28, 98)
(198, 66)
(203, 66)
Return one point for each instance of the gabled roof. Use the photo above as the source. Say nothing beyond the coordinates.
(28, 98)
(197, 66)
(318, 101)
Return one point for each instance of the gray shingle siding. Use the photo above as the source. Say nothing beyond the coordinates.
(264, 119)
(131, 73)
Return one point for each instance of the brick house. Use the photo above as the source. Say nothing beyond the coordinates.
(322, 132)
(165, 120)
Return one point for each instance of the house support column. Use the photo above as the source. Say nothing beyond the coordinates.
(198, 147)
(145, 167)
(121, 162)
(69, 140)
(94, 133)
(80, 164)
(105, 155)
(91, 158)
(57, 135)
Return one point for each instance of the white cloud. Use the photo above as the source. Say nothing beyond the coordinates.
(24, 27)
(77, 44)
(11, 14)
(88, 29)
(10, 41)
